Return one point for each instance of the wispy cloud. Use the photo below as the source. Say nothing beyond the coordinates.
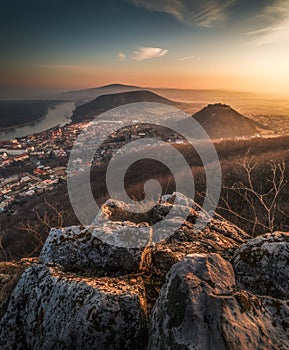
(275, 21)
(59, 66)
(276, 11)
(265, 30)
(204, 13)
(145, 53)
(121, 56)
(186, 58)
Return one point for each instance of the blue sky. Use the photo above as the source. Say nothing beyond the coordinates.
(237, 44)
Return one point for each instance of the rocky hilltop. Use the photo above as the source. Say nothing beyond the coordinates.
(179, 293)
(222, 121)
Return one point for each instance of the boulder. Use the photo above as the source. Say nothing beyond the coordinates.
(88, 249)
(218, 236)
(82, 249)
(262, 265)
(115, 244)
(51, 309)
(116, 210)
(95, 287)
(199, 308)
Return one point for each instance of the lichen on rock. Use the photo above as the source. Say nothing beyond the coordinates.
(200, 308)
(262, 265)
(90, 290)
(51, 309)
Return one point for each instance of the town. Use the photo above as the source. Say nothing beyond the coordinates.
(37, 163)
(34, 164)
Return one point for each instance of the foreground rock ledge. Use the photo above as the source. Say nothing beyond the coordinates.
(80, 249)
(52, 310)
(102, 250)
(262, 265)
(200, 308)
(88, 294)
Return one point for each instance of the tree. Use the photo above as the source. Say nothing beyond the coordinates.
(260, 198)
(40, 227)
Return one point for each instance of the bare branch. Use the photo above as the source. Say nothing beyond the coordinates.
(263, 205)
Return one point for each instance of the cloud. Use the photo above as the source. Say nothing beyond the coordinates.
(274, 19)
(121, 56)
(263, 31)
(277, 11)
(59, 66)
(186, 58)
(204, 13)
(145, 53)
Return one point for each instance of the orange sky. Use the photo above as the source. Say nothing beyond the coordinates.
(191, 45)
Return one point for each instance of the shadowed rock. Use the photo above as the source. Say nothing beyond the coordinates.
(81, 249)
(91, 292)
(262, 265)
(50, 309)
(199, 308)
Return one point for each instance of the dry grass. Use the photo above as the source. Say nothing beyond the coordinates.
(10, 273)
(16, 243)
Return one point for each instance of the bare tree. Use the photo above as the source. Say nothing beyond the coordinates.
(43, 223)
(4, 254)
(260, 198)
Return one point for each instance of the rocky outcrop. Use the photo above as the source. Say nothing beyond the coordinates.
(262, 265)
(81, 249)
(10, 273)
(218, 235)
(222, 121)
(200, 308)
(90, 291)
(88, 249)
(51, 309)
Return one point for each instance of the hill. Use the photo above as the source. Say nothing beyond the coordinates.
(106, 102)
(222, 121)
(118, 86)
(87, 95)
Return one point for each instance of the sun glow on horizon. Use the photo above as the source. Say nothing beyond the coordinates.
(241, 47)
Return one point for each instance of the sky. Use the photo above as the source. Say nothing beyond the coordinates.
(210, 44)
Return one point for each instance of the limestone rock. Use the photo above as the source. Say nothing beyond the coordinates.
(50, 309)
(199, 308)
(10, 273)
(262, 265)
(218, 235)
(81, 249)
(115, 247)
(95, 287)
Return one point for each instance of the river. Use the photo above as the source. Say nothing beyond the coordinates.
(57, 115)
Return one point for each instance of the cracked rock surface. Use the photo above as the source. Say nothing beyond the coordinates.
(200, 308)
(262, 265)
(89, 290)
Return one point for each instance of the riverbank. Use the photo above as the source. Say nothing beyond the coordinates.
(20, 113)
(13, 128)
(59, 113)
